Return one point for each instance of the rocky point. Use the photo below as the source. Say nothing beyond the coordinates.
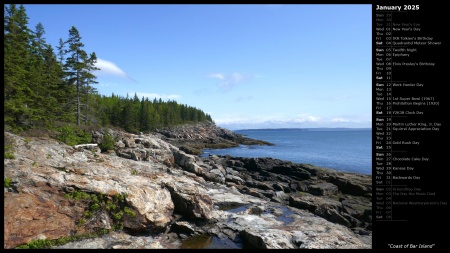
(150, 193)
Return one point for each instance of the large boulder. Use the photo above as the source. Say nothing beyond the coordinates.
(190, 199)
(152, 202)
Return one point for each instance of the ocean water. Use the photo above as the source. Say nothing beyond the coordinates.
(348, 150)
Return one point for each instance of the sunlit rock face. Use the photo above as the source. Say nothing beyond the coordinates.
(256, 203)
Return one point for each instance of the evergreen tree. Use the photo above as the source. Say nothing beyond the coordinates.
(144, 115)
(79, 69)
(67, 100)
(16, 55)
(54, 84)
(87, 78)
(37, 80)
(42, 87)
(74, 66)
(61, 51)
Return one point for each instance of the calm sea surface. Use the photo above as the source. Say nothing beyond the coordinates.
(348, 150)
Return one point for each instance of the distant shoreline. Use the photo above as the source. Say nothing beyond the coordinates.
(308, 129)
(284, 138)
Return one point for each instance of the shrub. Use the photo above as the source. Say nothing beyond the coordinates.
(115, 206)
(129, 212)
(7, 182)
(119, 197)
(118, 216)
(81, 222)
(8, 143)
(110, 206)
(76, 195)
(94, 207)
(107, 143)
(36, 132)
(87, 214)
(37, 244)
(72, 135)
(9, 156)
(94, 199)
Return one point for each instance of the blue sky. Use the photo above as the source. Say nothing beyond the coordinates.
(248, 66)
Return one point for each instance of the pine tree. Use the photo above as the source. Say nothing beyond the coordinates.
(56, 89)
(61, 51)
(79, 68)
(16, 55)
(42, 87)
(67, 101)
(45, 75)
(37, 80)
(87, 78)
(74, 65)
(144, 115)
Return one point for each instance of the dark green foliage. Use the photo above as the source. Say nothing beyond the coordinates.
(9, 155)
(32, 76)
(110, 206)
(37, 244)
(87, 214)
(8, 144)
(48, 244)
(72, 135)
(81, 222)
(77, 195)
(129, 212)
(115, 206)
(7, 182)
(94, 207)
(42, 87)
(16, 62)
(143, 115)
(107, 143)
(118, 216)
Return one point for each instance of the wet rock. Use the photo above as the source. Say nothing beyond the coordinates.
(257, 210)
(253, 239)
(183, 227)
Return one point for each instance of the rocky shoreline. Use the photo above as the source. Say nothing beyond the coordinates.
(192, 138)
(165, 197)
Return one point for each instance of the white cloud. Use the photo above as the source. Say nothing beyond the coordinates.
(300, 121)
(306, 118)
(217, 75)
(340, 120)
(227, 82)
(157, 96)
(244, 119)
(110, 68)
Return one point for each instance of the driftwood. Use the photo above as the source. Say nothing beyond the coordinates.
(89, 146)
